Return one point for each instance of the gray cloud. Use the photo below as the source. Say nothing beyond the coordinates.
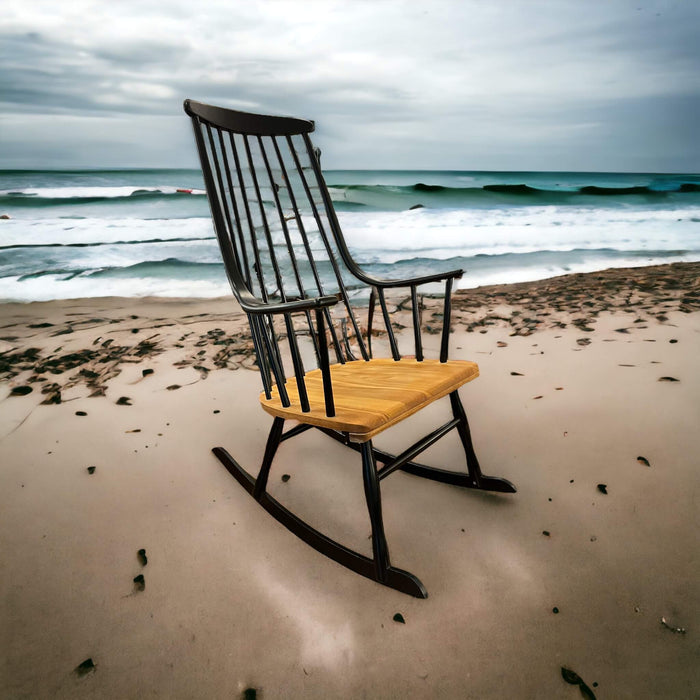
(463, 84)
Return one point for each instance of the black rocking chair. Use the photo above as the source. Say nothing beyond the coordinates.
(292, 273)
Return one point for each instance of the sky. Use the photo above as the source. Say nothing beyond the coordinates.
(599, 85)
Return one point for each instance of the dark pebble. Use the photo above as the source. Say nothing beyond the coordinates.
(140, 583)
(516, 374)
(668, 379)
(146, 372)
(143, 559)
(603, 488)
(643, 460)
(217, 411)
(546, 533)
(555, 611)
(286, 477)
(673, 340)
(21, 391)
(250, 694)
(570, 676)
(84, 668)
(172, 387)
(80, 413)
(399, 618)
(91, 470)
(123, 401)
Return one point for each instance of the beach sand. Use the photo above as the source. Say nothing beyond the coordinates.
(588, 400)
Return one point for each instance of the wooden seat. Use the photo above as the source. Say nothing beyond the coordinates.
(293, 274)
(372, 396)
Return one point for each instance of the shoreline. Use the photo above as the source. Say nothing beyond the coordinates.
(587, 380)
(212, 334)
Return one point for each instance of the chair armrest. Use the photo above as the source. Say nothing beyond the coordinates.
(437, 277)
(378, 287)
(253, 305)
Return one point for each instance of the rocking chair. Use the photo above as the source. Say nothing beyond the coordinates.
(292, 273)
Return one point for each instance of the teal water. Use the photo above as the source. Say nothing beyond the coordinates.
(148, 232)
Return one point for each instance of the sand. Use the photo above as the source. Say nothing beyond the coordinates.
(588, 400)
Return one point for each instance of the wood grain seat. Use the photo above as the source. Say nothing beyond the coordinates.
(372, 396)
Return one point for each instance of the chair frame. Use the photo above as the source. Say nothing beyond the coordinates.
(211, 124)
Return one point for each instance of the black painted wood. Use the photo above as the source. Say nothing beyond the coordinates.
(393, 578)
(279, 235)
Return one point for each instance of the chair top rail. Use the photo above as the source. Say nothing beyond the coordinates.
(245, 123)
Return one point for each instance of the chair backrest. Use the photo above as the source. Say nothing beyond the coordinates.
(274, 219)
(282, 244)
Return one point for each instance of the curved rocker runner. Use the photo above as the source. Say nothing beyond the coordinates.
(279, 235)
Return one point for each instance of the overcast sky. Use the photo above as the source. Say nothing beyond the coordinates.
(610, 85)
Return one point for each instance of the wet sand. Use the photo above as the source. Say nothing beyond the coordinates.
(134, 565)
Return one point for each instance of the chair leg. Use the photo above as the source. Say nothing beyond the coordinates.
(273, 441)
(465, 435)
(479, 481)
(374, 506)
(473, 479)
(378, 568)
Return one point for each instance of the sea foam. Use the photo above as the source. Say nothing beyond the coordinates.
(135, 233)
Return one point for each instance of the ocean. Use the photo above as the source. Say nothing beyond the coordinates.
(76, 234)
